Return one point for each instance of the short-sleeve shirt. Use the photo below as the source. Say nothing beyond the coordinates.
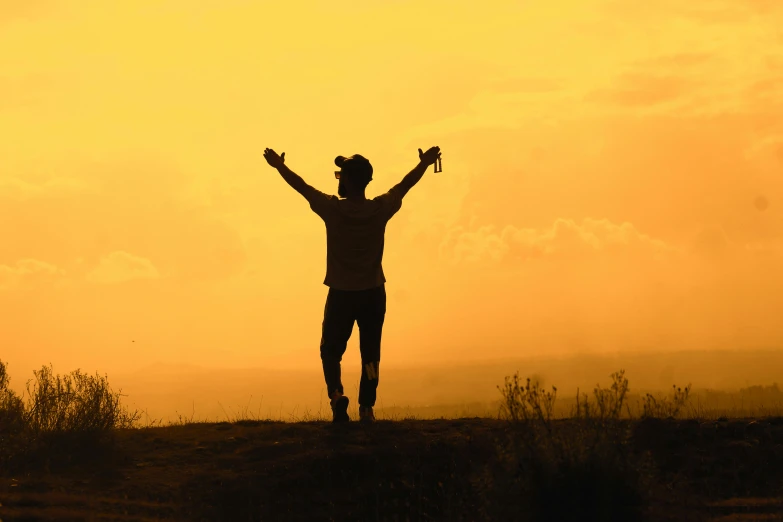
(354, 237)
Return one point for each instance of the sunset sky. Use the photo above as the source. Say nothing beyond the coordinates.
(612, 176)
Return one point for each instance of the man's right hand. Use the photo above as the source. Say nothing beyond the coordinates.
(273, 159)
(429, 157)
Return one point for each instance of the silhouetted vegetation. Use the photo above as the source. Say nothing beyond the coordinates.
(752, 401)
(59, 414)
(612, 456)
(665, 407)
(12, 416)
(582, 468)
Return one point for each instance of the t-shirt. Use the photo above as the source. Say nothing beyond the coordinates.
(354, 237)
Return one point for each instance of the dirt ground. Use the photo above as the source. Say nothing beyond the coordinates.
(727, 470)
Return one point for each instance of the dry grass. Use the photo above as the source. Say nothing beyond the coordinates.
(581, 468)
(71, 451)
(61, 417)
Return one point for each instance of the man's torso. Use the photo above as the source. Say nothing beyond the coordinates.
(355, 238)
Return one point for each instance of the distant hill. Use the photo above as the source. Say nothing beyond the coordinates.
(168, 390)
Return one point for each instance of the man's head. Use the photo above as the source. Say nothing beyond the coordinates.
(354, 174)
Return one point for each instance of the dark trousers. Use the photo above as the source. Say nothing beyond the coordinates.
(368, 309)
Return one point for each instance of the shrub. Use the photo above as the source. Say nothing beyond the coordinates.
(665, 407)
(12, 419)
(581, 468)
(74, 403)
(11, 407)
(62, 418)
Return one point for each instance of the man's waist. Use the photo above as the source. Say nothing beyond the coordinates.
(353, 280)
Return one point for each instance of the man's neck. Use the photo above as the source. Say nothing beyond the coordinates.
(356, 197)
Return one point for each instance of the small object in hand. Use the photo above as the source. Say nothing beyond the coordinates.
(438, 166)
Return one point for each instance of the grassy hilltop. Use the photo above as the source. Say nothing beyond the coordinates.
(69, 450)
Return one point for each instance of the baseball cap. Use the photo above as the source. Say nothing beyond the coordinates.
(353, 165)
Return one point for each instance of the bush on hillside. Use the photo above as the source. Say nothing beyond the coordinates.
(582, 468)
(60, 412)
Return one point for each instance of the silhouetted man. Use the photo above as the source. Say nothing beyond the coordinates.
(355, 228)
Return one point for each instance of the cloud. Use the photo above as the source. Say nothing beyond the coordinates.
(132, 203)
(20, 190)
(643, 89)
(22, 91)
(15, 9)
(765, 250)
(527, 84)
(712, 242)
(676, 61)
(120, 266)
(768, 88)
(565, 239)
(27, 271)
(705, 12)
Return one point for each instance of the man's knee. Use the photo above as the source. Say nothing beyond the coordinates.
(370, 369)
(327, 356)
(332, 352)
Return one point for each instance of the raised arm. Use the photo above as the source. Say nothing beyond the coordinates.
(291, 177)
(411, 178)
(319, 202)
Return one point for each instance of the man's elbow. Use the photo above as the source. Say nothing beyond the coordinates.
(300, 188)
(297, 183)
(402, 187)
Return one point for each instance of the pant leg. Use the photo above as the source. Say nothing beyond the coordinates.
(336, 330)
(371, 312)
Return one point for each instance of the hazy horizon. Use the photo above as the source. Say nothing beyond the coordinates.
(165, 391)
(612, 178)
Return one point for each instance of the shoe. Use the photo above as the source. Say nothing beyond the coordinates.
(366, 414)
(340, 409)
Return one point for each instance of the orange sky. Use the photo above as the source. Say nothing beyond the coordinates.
(613, 176)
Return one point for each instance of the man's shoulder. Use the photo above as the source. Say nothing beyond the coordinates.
(319, 201)
(393, 193)
(391, 200)
(313, 192)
